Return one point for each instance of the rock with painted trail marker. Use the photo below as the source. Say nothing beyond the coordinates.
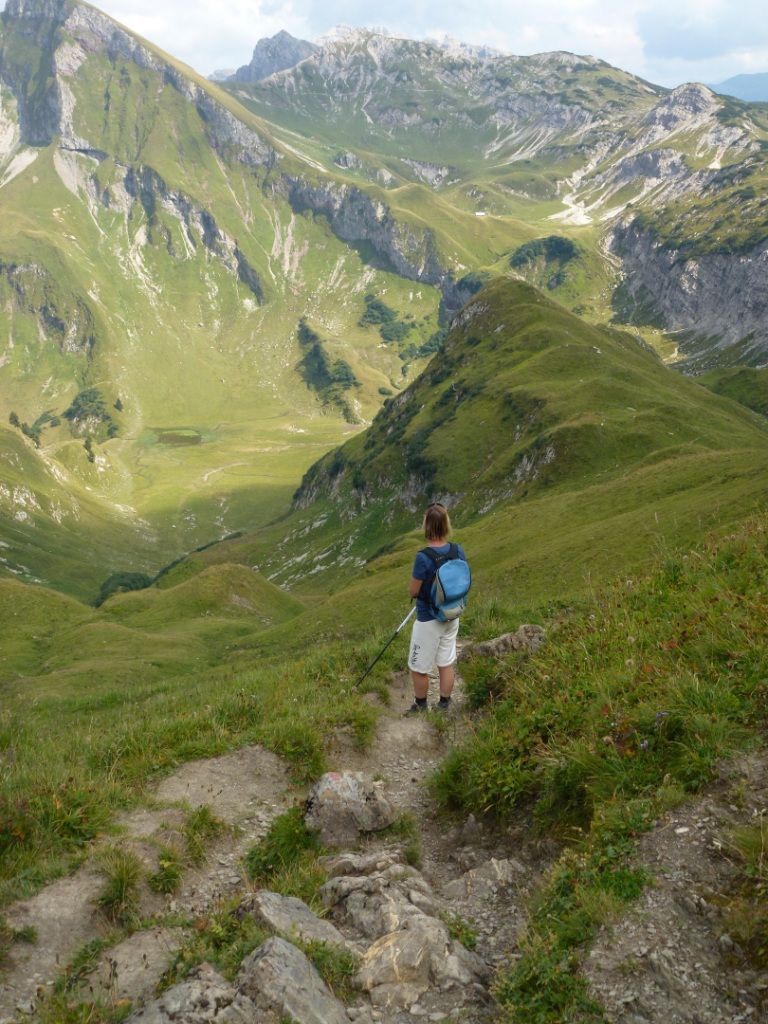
(342, 805)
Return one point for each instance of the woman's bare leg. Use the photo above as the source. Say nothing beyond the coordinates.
(447, 679)
(420, 684)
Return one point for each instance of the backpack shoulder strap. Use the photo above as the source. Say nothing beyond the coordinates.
(431, 554)
(453, 552)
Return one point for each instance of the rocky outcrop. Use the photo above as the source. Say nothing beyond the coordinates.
(720, 299)
(277, 53)
(430, 174)
(146, 186)
(62, 317)
(289, 916)
(278, 977)
(341, 805)
(203, 998)
(526, 638)
(354, 216)
(412, 950)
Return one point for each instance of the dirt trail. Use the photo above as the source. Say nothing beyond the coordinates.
(671, 959)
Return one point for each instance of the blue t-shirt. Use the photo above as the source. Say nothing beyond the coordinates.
(424, 569)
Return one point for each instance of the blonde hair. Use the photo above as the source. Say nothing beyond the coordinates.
(437, 525)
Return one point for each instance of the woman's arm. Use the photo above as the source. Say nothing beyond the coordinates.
(414, 587)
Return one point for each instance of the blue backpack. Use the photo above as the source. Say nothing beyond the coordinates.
(446, 593)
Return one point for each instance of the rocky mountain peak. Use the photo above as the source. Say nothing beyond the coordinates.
(276, 53)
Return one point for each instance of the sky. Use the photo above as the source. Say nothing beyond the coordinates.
(664, 41)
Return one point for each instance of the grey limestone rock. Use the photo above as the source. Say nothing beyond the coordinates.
(399, 967)
(527, 637)
(377, 904)
(204, 998)
(278, 977)
(290, 916)
(486, 879)
(275, 54)
(360, 863)
(341, 805)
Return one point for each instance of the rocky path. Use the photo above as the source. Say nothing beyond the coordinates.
(248, 789)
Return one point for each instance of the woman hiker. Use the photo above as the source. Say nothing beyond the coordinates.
(432, 642)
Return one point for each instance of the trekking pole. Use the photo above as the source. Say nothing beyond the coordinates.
(386, 645)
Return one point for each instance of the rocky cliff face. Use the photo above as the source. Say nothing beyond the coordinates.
(720, 300)
(279, 52)
(426, 92)
(355, 217)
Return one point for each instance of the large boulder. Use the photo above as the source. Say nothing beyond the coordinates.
(290, 916)
(278, 977)
(395, 970)
(341, 805)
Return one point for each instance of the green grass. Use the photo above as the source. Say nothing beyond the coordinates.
(70, 781)
(223, 939)
(215, 656)
(337, 966)
(119, 896)
(460, 930)
(406, 829)
(200, 828)
(285, 860)
(746, 918)
(170, 869)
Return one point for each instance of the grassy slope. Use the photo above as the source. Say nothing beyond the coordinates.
(627, 708)
(638, 452)
(743, 384)
(179, 339)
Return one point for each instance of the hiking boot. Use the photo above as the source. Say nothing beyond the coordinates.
(417, 708)
(444, 704)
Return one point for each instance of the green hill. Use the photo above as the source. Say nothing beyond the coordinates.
(527, 407)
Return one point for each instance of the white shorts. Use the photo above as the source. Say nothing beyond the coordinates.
(432, 643)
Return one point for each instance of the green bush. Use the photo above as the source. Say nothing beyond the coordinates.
(376, 312)
(553, 248)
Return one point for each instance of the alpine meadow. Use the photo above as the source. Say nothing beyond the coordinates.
(251, 326)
